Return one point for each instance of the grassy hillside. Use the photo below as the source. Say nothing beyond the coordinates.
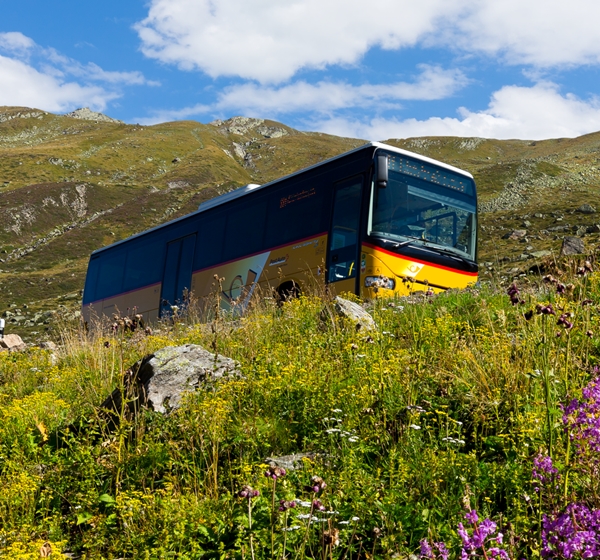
(70, 185)
(439, 430)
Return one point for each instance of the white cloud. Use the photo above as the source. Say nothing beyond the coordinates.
(251, 99)
(533, 113)
(542, 33)
(270, 40)
(167, 115)
(43, 78)
(326, 96)
(23, 85)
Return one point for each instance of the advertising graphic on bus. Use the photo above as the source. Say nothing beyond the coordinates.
(375, 221)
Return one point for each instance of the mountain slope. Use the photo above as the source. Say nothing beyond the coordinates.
(71, 184)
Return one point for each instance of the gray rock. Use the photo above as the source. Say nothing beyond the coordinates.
(12, 342)
(586, 209)
(180, 369)
(572, 246)
(355, 313)
(515, 234)
(159, 381)
(85, 113)
(290, 462)
(541, 254)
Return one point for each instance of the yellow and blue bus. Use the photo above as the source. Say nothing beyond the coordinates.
(376, 220)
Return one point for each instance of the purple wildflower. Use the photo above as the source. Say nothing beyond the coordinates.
(275, 472)
(477, 543)
(441, 552)
(544, 471)
(513, 294)
(564, 321)
(284, 505)
(317, 484)
(248, 492)
(583, 418)
(575, 533)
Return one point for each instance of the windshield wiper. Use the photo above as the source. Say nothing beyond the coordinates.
(449, 252)
(398, 244)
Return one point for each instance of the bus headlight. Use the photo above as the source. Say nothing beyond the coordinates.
(380, 282)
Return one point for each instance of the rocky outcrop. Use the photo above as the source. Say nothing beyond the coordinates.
(246, 125)
(85, 113)
(11, 342)
(159, 380)
(355, 313)
(572, 246)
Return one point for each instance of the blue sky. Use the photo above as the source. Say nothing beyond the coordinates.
(375, 70)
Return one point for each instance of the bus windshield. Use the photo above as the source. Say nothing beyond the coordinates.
(428, 206)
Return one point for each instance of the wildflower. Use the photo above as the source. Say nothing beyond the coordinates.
(317, 505)
(353, 439)
(275, 472)
(583, 418)
(513, 294)
(564, 321)
(292, 528)
(284, 505)
(545, 309)
(248, 492)
(481, 536)
(471, 516)
(573, 533)
(428, 552)
(337, 410)
(355, 519)
(317, 484)
(544, 471)
(415, 427)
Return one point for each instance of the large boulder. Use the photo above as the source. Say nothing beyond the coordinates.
(355, 313)
(159, 381)
(572, 246)
(12, 342)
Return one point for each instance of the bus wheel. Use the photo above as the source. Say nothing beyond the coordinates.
(287, 291)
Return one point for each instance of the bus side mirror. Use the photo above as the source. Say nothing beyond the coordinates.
(382, 171)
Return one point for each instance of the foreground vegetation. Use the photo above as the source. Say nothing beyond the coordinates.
(464, 426)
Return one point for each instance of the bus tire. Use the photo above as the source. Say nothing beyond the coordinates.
(287, 291)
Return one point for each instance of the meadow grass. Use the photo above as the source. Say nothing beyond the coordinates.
(451, 407)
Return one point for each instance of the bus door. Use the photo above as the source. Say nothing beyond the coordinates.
(178, 273)
(342, 255)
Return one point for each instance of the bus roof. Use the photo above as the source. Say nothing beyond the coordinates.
(242, 191)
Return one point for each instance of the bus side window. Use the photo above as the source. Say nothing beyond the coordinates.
(209, 247)
(140, 270)
(296, 212)
(245, 229)
(110, 276)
